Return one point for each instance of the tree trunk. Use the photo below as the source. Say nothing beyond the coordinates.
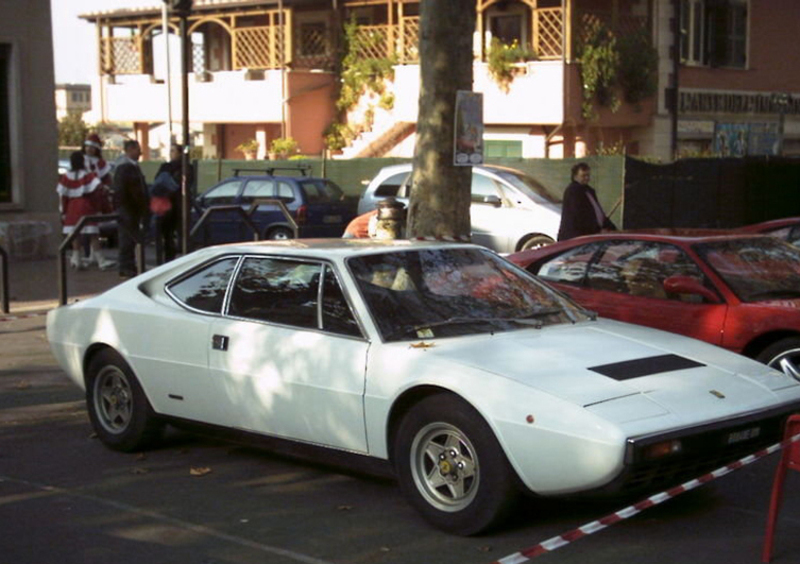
(440, 191)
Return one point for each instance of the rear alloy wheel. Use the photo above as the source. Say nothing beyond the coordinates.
(451, 467)
(118, 408)
(536, 242)
(280, 234)
(783, 355)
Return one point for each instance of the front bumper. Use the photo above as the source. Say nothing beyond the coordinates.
(703, 449)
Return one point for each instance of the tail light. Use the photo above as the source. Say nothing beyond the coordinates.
(302, 215)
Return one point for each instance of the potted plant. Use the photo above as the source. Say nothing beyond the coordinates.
(282, 148)
(249, 149)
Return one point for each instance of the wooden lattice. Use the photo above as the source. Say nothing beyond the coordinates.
(408, 50)
(120, 55)
(198, 58)
(312, 49)
(548, 32)
(372, 41)
(258, 47)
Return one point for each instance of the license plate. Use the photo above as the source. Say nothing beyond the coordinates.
(331, 219)
(744, 435)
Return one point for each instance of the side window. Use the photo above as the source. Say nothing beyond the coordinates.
(391, 185)
(569, 267)
(223, 194)
(482, 188)
(205, 289)
(258, 188)
(336, 314)
(278, 291)
(615, 266)
(285, 192)
(674, 262)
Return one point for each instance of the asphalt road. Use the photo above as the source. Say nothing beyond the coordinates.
(65, 499)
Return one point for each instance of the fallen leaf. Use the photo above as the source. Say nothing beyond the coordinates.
(385, 549)
(23, 385)
(344, 507)
(93, 436)
(484, 549)
(140, 471)
(200, 471)
(141, 456)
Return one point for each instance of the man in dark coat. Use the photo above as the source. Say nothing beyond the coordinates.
(581, 213)
(169, 223)
(131, 200)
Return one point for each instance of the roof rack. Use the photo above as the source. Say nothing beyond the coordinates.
(303, 169)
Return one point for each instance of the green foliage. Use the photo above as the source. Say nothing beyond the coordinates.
(638, 70)
(72, 130)
(283, 146)
(600, 59)
(249, 146)
(361, 74)
(609, 65)
(502, 58)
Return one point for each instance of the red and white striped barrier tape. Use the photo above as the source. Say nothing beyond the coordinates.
(557, 542)
(22, 316)
(448, 238)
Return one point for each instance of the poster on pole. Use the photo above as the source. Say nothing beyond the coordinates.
(468, 128)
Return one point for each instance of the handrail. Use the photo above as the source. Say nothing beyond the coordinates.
(247, 215)
(65, 244)
(4, 278)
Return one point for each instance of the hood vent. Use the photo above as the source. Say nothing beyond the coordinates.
(645, 366)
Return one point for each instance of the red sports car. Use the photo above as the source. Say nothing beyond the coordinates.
(787, 229)
(738, 291)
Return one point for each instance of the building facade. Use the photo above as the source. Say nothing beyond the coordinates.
(72, 99)
(346, 75)
(29, 221)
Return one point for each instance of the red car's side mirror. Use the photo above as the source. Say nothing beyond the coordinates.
(689, 285)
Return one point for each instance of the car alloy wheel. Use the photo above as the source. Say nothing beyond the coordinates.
(445, 466)
(113, 399)
(118, 408)
(451, 467)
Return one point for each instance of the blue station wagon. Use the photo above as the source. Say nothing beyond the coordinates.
(317, 205)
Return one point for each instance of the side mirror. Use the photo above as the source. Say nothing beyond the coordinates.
(493, 201)
(688, 285)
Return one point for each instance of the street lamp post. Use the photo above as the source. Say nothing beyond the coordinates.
(182, 8)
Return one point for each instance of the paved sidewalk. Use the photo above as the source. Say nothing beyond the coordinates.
(33, 284)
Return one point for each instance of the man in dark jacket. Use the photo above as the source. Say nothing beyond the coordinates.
(581, 213)
(131, 199)
(168, 224)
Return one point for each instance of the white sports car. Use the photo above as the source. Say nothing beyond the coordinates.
(474, 380)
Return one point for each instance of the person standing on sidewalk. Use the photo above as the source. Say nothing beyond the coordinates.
(167, 224)
(131, 201)
(80, 194)
(581, 213)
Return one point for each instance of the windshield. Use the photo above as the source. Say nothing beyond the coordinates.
(424, 294)
(528, 186)
(756, 269)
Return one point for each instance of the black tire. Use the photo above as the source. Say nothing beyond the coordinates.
(451, 467)
(783, 355)
(118, 408)
(536, 242)
(279, 234)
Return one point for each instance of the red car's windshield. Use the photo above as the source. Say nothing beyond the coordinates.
(755, 269)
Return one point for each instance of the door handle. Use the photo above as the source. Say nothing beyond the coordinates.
(219, 342)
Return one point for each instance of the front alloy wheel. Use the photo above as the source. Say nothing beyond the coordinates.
(451, 467)
(783, 355)
(445, 467)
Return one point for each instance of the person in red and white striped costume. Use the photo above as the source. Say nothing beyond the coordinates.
(80, 194)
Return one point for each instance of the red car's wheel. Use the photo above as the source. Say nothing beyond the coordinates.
(783, 355)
